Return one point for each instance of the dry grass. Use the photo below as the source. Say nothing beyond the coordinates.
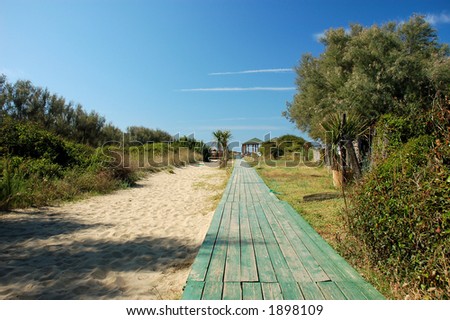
(215, 182)
(138, 158)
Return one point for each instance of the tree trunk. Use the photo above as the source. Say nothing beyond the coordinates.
(354, 163)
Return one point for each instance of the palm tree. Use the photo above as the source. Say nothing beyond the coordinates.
(218, 137)
(342, 130)
(226, 136)
(222, 138)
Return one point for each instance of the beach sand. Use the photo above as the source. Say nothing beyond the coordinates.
(137, 243)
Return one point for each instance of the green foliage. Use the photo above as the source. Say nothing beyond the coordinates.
(37, 167)
(394, 68)
(223, 138)
(145, 135)
(29, 141)
(22, 101)
(284, 145)
(401, 210)
(336, 131)
(392, 132)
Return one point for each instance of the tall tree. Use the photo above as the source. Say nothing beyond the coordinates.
(391, 68)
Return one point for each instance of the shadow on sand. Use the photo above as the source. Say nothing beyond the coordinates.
(31, 268)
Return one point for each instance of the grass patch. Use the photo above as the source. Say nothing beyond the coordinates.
(215, 183)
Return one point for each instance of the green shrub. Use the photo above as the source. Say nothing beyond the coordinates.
(401, 211)
(392, 132)
(38, 168)
(29, 141)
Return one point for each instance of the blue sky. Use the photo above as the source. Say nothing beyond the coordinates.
(183, 66)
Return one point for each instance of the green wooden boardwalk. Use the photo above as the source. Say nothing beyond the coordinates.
(258, 247)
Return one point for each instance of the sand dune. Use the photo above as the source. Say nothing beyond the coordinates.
(137, 243)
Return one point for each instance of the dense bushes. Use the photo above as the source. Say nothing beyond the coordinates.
(401, 209)
(28, 141)
(38, 167)
(284, 145)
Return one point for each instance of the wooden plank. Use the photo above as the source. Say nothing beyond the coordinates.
(193, 290)
(250, 192)
(249, 272)
(251, 291)
(311, 291)
(297, 268)
(370, 292)
(232, 191)
(364, 287)
(334, 265)
(291, 291)
(212, 291)
(232, 291)
(201, 262)
(237, 184)
(271, 291)
(266, 272)
(279, 264)
(242, 191)
(331, 291)
(314, 270)
(217, 265)
(229, 186)
(233, 259)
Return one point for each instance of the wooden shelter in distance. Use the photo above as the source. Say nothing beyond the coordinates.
(251, 146)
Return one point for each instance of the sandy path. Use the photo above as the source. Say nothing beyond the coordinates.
(137, 243)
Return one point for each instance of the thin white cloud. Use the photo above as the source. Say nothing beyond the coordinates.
(231, 119)
(244, 127)
(278, 70)
(238, 89)
(246, 118)
(437, 18)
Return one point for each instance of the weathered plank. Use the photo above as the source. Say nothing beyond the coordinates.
(335, 266)
(271, 291)
(233, 259)
(292, 260)
(291, 291)
(249, 272)
(193, 290)
(331, 291)
(212, 291)
(315, 271)
(280, 266)
(232, 291)
(266, 272)
(216, 267)
(201, 263)
(251, 291)
(311, 291)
